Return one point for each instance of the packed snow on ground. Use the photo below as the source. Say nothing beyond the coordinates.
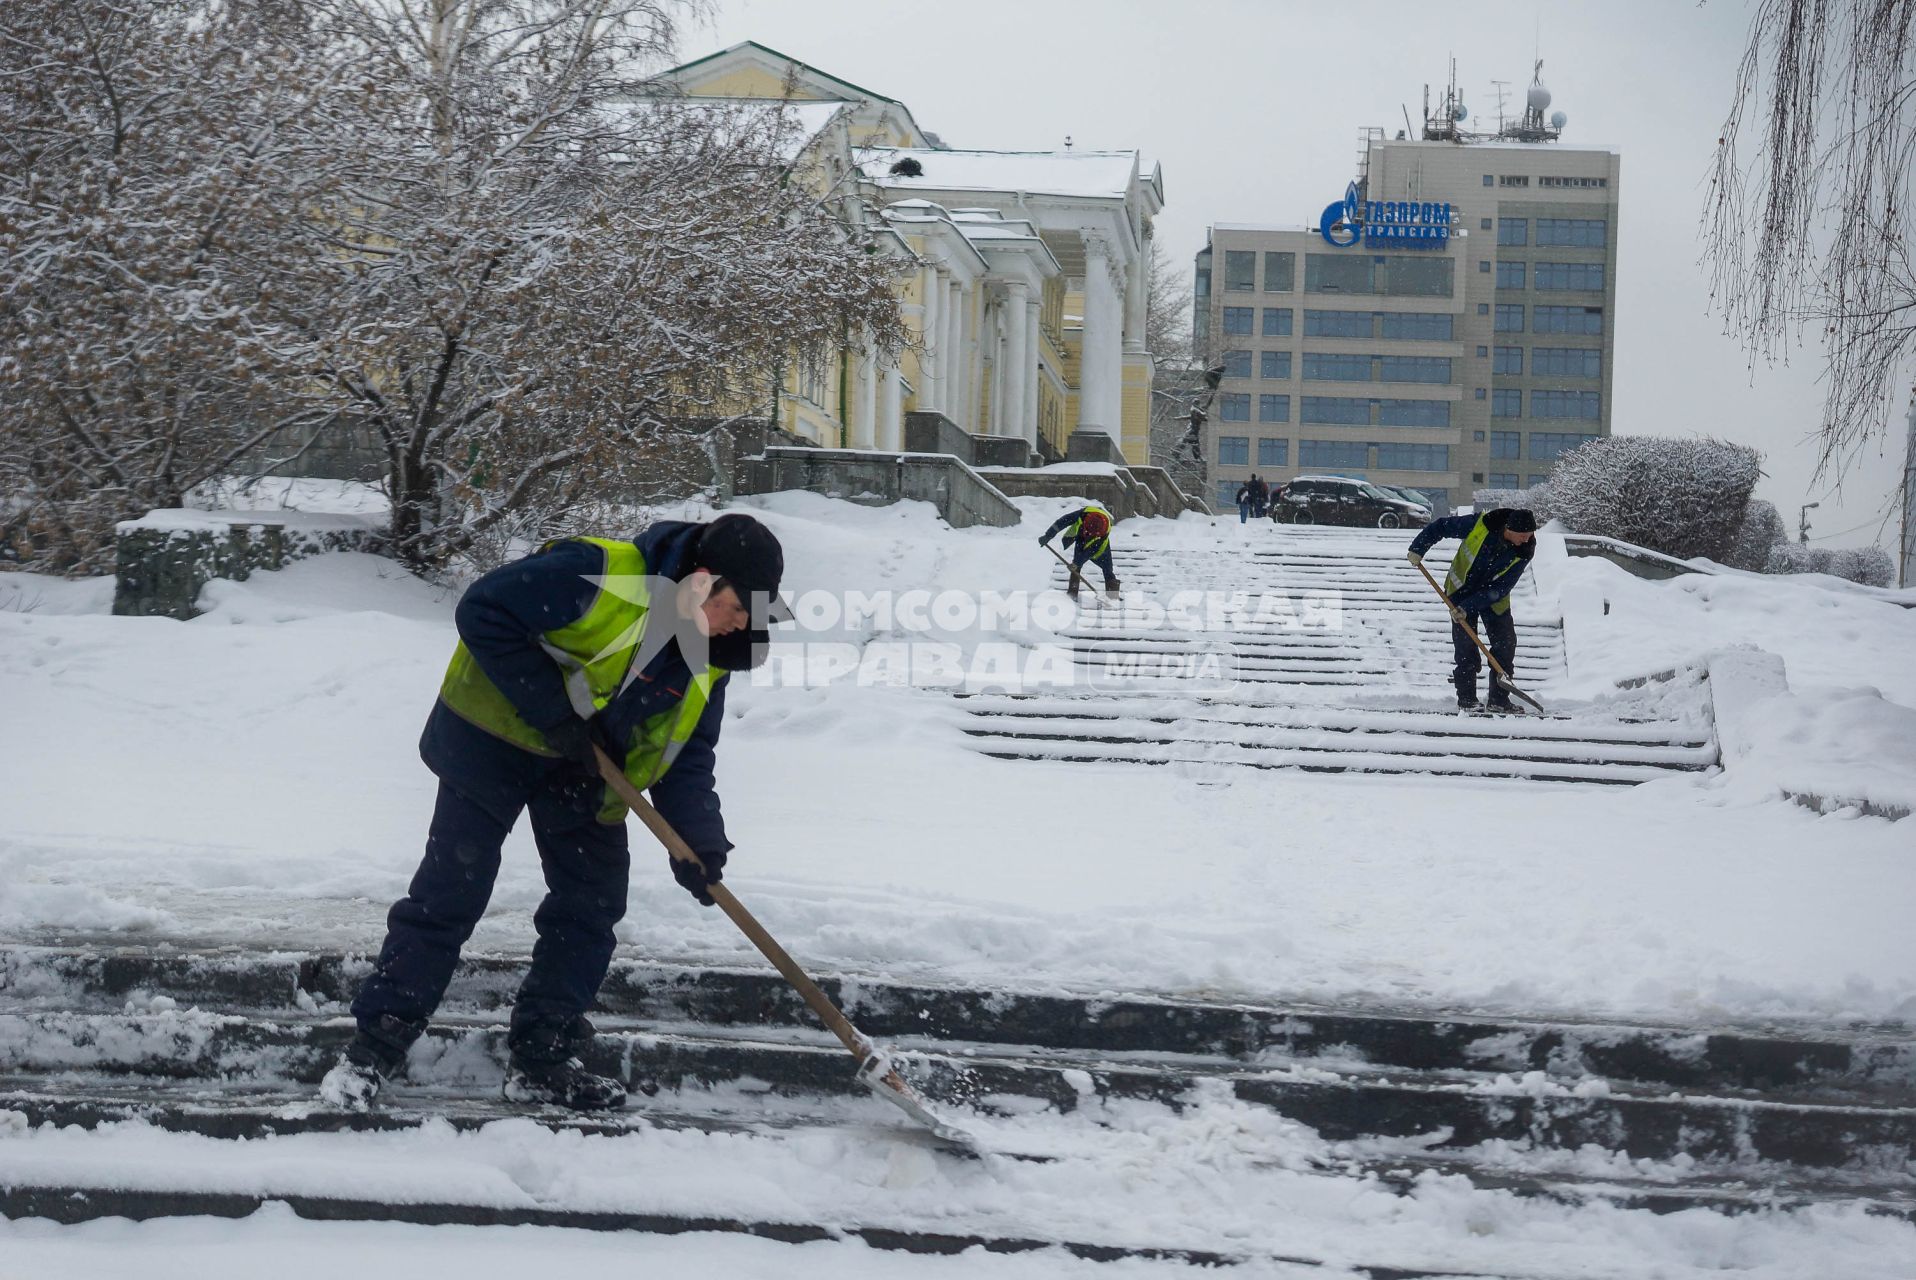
(251, 776)
(254, 773)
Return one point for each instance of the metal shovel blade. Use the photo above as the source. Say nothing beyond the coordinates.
(879, 1074)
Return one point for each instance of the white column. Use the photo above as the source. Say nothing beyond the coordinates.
(929, 331)
(1101, 369)
(891, 408)
(1017, 361)
(951, 362)
(1034, 344)
(1137, 293)
(865, 398)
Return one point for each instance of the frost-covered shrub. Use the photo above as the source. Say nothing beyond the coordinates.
(1762, 529)
(1684, 498)
(1870, 566)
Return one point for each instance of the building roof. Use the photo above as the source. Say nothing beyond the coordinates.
(857, 91)
(1095, 174)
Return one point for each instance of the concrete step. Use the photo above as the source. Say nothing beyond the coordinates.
(1515, 749)
(1446, 1109)
(1822, 1062)
(1217, 755)
(256, 1114)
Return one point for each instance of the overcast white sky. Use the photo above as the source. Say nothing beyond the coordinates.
(1253, 109)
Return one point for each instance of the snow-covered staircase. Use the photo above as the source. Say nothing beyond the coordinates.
(228, 1044)
(1311, 648)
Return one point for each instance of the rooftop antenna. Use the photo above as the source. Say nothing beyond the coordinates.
(1067, 142)
(1502, 89)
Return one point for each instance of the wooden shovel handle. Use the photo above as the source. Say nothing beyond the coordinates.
(1463, 621)
(853, 1039)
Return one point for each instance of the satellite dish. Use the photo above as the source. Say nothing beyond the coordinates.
(1538, 97)
(1458, 113)
(1558, 120)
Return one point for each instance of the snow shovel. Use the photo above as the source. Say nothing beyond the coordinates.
(1075, 572)
(876, 1070)
(1497, 672)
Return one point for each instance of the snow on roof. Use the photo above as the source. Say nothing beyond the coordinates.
(1098, 174)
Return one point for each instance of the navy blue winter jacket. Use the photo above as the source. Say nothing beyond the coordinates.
(501, 618)
(1486, 583)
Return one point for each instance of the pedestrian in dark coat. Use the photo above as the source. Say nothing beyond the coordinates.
(1495, 547)
(1243, 501)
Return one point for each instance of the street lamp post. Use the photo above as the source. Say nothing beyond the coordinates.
(1803, 520)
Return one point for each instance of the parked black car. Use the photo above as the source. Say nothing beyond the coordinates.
(1341, 500)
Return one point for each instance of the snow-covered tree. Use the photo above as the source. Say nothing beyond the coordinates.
(1684, 498)
(151, 186)
(547, 276)
(1870, 566)
(1762, 529)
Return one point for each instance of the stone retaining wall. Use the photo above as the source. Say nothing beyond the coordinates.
(163, 559)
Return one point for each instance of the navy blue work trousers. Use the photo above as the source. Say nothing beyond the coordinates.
(586, 864)
(1103, 560)
(1500, 630)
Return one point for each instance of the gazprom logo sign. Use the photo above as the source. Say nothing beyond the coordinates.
(1411, 224)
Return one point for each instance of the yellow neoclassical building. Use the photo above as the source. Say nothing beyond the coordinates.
(1025, 280)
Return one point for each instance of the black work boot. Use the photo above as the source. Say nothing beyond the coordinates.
(356, 1079)
(1466, 683)
(1111, 588)
(562, 1084)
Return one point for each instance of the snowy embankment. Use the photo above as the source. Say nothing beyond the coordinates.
(252, 775)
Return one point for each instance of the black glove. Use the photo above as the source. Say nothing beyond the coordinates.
(573, 739)
(695, 877)
(1045, 541)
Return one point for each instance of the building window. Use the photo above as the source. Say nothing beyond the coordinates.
(1489, 181)
(1234, 408)
(1413, 413)
(1513, 179)
(1425, 326)
(1240, 270)
(1477, 436)
(1510, 317)
(1328, 368)
(1339, 272)
(1581, 276)
(1237, 364)
(1234, 451)
(1510, 275)
(1483, 268)
(1573, 182)
(1483, 308)
(1505, 480)
(1548, 446)
(1567, 320)
(1413, 369)
(1418, 276)
(1513, 231)
(1566, 404)
(1483, 224)
(1237, 321)
(1339, 324)
(1227, 493)
(1273, 408)
(1274, 364)
(1273, 453)
(1536, 479)
(1509, 361)
(1567, 362)
(1280, 272)
(1277, 322)
(1482, 352)
(1584, 233)
(1336, 410)
(1332, 453)
(1480, 393)
(1506, 402)
(1413, 457)
(1506, 444)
